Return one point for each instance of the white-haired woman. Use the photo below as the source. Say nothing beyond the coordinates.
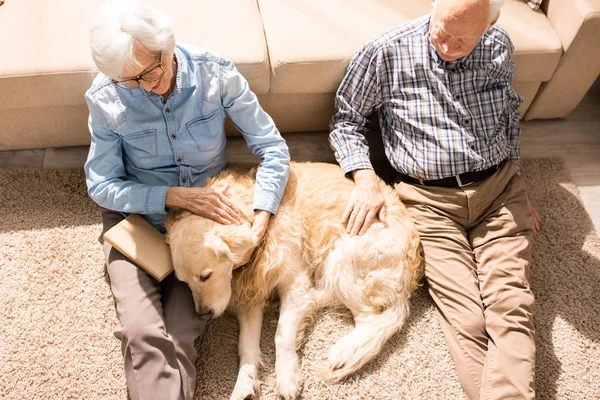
(156, 120)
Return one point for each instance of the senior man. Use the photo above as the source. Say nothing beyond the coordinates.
(441, 88)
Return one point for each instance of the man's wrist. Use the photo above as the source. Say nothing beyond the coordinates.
(365, 176)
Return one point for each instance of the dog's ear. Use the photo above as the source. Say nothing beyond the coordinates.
(240, 239)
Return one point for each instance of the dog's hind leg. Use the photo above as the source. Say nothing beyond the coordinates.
(250, 321)
(296, 307)
(375, 295)
(366, 340)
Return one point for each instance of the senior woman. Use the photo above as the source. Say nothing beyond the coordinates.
(156, 120)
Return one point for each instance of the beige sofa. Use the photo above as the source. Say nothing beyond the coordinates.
(293, 53)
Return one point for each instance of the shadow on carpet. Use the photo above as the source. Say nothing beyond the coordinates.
(58, 314)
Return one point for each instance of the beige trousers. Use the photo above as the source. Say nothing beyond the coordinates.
(477, 246)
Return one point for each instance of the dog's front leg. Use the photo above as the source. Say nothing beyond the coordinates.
(250, 321)
(296, 305)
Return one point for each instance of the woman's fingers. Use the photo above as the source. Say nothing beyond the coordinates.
(223, 213)
(215, 216)
(230, 213)
(213, 204)
(219, 208)
(230, 207)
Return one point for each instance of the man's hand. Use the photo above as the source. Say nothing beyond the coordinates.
(259, 227)
(536, 219)
(206, 202)
(366, 203)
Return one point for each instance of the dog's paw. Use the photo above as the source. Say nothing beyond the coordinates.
(244, 389)
(289, 384)
(247, 394)
(340, 353)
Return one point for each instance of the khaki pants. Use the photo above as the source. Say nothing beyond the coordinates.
(477, 245)
(157, 327)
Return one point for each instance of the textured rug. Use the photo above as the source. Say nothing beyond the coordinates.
(57, 314)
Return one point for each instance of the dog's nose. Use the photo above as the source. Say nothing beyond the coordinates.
(206, 314)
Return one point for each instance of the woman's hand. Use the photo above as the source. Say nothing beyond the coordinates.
(259, 227)
(206, 202)
(261, 221)
(366, 203)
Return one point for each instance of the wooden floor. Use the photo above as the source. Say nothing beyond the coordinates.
(575, 139)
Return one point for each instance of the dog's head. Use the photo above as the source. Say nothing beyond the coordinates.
(204, 255)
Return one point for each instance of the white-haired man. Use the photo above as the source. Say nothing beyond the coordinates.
(441, 88)
(156, 122)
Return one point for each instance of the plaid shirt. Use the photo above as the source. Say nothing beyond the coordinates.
(437, 118)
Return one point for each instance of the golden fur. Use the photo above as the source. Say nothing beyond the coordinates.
(307, 257)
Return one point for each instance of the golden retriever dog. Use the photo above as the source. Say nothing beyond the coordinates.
(309, 260)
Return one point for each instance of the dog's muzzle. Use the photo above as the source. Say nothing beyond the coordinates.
(206, 315)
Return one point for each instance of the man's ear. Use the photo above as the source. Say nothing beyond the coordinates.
(240, 239)
(493, 22)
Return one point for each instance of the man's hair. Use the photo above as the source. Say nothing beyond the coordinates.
(122, 24)
(495, 6)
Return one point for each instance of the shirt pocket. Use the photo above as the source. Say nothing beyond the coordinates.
(141, 145)
(207, 132)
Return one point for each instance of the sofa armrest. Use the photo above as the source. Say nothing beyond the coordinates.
(577, 24)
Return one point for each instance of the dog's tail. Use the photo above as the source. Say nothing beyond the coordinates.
(361, 345)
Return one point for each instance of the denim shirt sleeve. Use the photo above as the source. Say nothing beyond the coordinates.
(105, 172)
(261, 135)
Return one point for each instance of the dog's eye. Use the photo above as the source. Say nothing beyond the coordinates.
(205, 277)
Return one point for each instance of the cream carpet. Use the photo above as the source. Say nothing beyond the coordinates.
(57, 314)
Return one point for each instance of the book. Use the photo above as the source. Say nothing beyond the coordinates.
(143, 244)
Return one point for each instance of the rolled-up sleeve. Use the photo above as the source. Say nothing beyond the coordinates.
(356, 99)
(105, 172)
(261, 135)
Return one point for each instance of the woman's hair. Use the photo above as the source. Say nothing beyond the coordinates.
(122, 24)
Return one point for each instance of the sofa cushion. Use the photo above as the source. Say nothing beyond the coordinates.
(311, 41)
(534, 4)
(46, 58)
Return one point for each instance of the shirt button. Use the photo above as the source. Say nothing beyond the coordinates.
(457, 97)
(184, 180)
(167, 109)
(179, 159)
(173, 136)
(467, 121)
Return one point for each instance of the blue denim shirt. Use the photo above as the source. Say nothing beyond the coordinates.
(140, 147)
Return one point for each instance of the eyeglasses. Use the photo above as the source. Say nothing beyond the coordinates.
(154, 74)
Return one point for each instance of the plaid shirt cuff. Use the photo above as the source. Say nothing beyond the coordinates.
(352, 163)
